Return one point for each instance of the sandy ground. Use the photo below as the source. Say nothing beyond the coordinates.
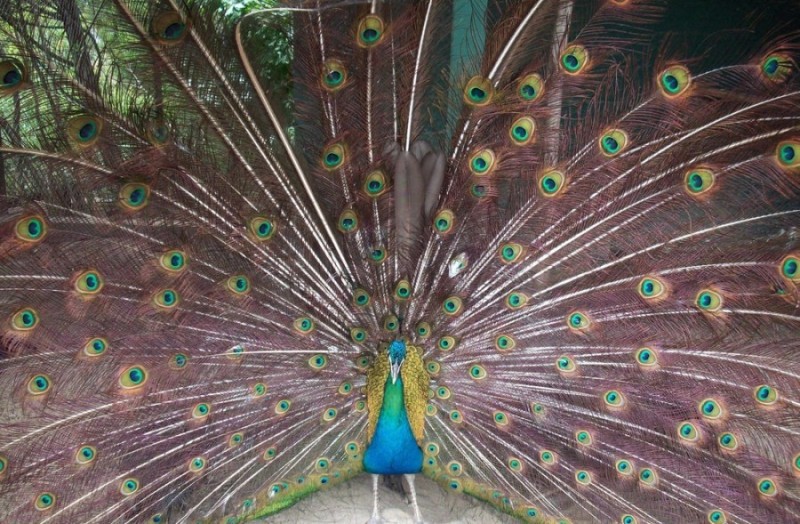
(351, 503)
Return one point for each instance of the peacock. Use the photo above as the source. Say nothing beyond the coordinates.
(543, 252)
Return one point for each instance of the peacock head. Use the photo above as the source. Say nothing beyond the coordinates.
(397, 354)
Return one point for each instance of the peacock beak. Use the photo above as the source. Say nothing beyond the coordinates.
(395, 367)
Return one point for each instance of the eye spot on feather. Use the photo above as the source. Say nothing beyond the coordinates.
(282, 406)
(134, 196)
(777, 67)
(423, 330)
(565, 365)
(516, 300)
(166, 299)
(455, 485)
(452, 306)
(236, 353)
(169, 28)
(651, 288)
(578, 321)
(304, 325)
(157, 133)
(129, 486)
(402, 290)
(83, 131)
(329, 414)
(446, 343)
(688, 432)
(628, 519)
(258, 390)
(333, 157)
(431, 410)
(648, 477)
(522, 131)
(674, 81)
(433, 368)
(455, 468)
(765, 395)
(261, 228)
(133, 377)
(25, 319)
(478, 190)
(13, 76)
(504, 343)
(717, 516)
(515, 464)
(788, 154)
(235, 439)
(238, 285)
(158, 518)
(574, 59)
(391, 323)
(482, 163)
(795, 464)
(370, 31)
(710, 409)
(361, 298)
(173, 261)
(501, 419)
(362, 362)
(44, 501)
(443, 392)
(444, 221)
(348, 222)
(531, 88)
(698, 181)
(375, 184)
(197, 465)
(547, 457)
(477, 372)
(583, 437)
(456, 417)
(201, 411)
(531, 512)
(178, 361)
(614, 399)
(551, 183)
(624, 467)
(39, 385)
(767, 487)
(377, 254)
(30, 229)
(85, 455)
(709, 300)
(537, 409)
(727, 441)
(358, 335)
(510, 252)
(583, 477)
(318, 362)
(478, 92)
(3, 465)
(613, 142)
(334, 75)
(646, 357)
(790, 268)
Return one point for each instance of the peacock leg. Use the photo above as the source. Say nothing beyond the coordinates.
(413, 496)
(376, 517)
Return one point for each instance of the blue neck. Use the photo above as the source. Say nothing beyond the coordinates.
(393, 450)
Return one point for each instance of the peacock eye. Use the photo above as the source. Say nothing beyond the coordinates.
(482, 162)
(201, 411)
(25, 319)
(262, 228)
(95, 347)
(282, 406)
(197, 464)
(452, 306)
(516, 300)
(710, 409)
(612, 142)
(578, 321)
(574, 59)
(477, 372)
(583, 477)
(767, 487)
(89, 283)
(648, 477)
(402, 291)
(646, 357)
(717, 516)
(531, 88)
(345, 388)
(551, 183)
(391, 323)
(790, 268)
(788, 154)
(709, 300)
(133, 377)
(370, 31)
(504, 343)
(304, 325)
(83, 131)
(583, 437)
(85, 454)
(235, 439)
(258, 390)
(360, 297)
(674, 81)
(624, 467)
(375, 184)
(129, 486)
(423, 330)
(178, 361)
(333, 157)
(433, 368)
(443, 393)
(765, 395)
(169, 28)
(688, 432)
(522, 131)
(444, 222)
(166, 299)
(651, 288)
(478, 91)
(334, 75)
(30, 229)
(358, 335)
(377, 255)
(565, 364)
(39, 385)
(348, 221)
(45, 501)
(510, 252)
(329, 414)
(134, 196)
(777, 67)
(698, 181)
(614, 399)
(157, 133)
(500, 418)
(173, 261)
(318, 362)
(727, 441)
(12, 77)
